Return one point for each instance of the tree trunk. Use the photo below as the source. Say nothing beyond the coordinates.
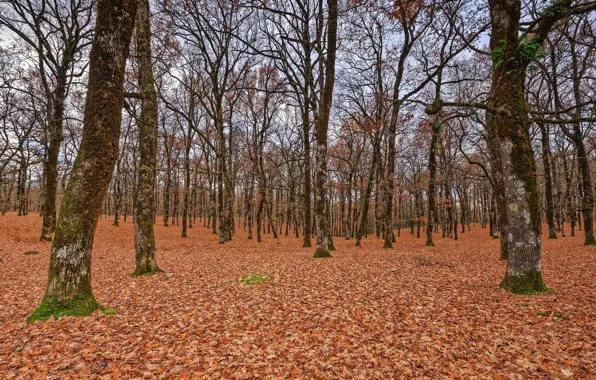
(50, 166)
(69, 279)
(307, 185)
(146, 262)
(548, 181)
(508, 116)
(366, 197)
(582, 157)
(186, 205)
(432, 169)
(322, 126)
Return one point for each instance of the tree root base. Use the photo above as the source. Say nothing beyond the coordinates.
(529, 283)
(138, 272)
(79, 306)
(321, 253)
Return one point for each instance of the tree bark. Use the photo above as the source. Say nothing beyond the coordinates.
(322, 126)
(548, 181)
(146, 262)
(50, 166)
(366, 197)
(432, 169)
(508, 120)
(69, 279)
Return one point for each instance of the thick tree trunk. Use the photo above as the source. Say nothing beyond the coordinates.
(146, 262)
(69, 279)
(509, 116)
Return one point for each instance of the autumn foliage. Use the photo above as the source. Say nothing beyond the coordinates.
(413, 311)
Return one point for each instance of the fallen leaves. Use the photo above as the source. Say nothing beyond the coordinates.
(365, 313)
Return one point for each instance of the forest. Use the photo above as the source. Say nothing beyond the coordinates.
(297, 189)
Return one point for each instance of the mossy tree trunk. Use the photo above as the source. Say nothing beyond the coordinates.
(322, 126)
(69, 279)
(508, 123)
(144, 237)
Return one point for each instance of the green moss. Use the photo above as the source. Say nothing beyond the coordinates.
(253, 279)
(81, 305)
(388, 244)
(331, 246)
(529, 284)
(145, 272)
(557, 315)
(109, 311)
(322, 253)
(434, 108)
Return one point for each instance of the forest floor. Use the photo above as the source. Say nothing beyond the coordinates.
(367, 312)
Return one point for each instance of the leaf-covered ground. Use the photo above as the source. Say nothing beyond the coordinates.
(269, 310)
